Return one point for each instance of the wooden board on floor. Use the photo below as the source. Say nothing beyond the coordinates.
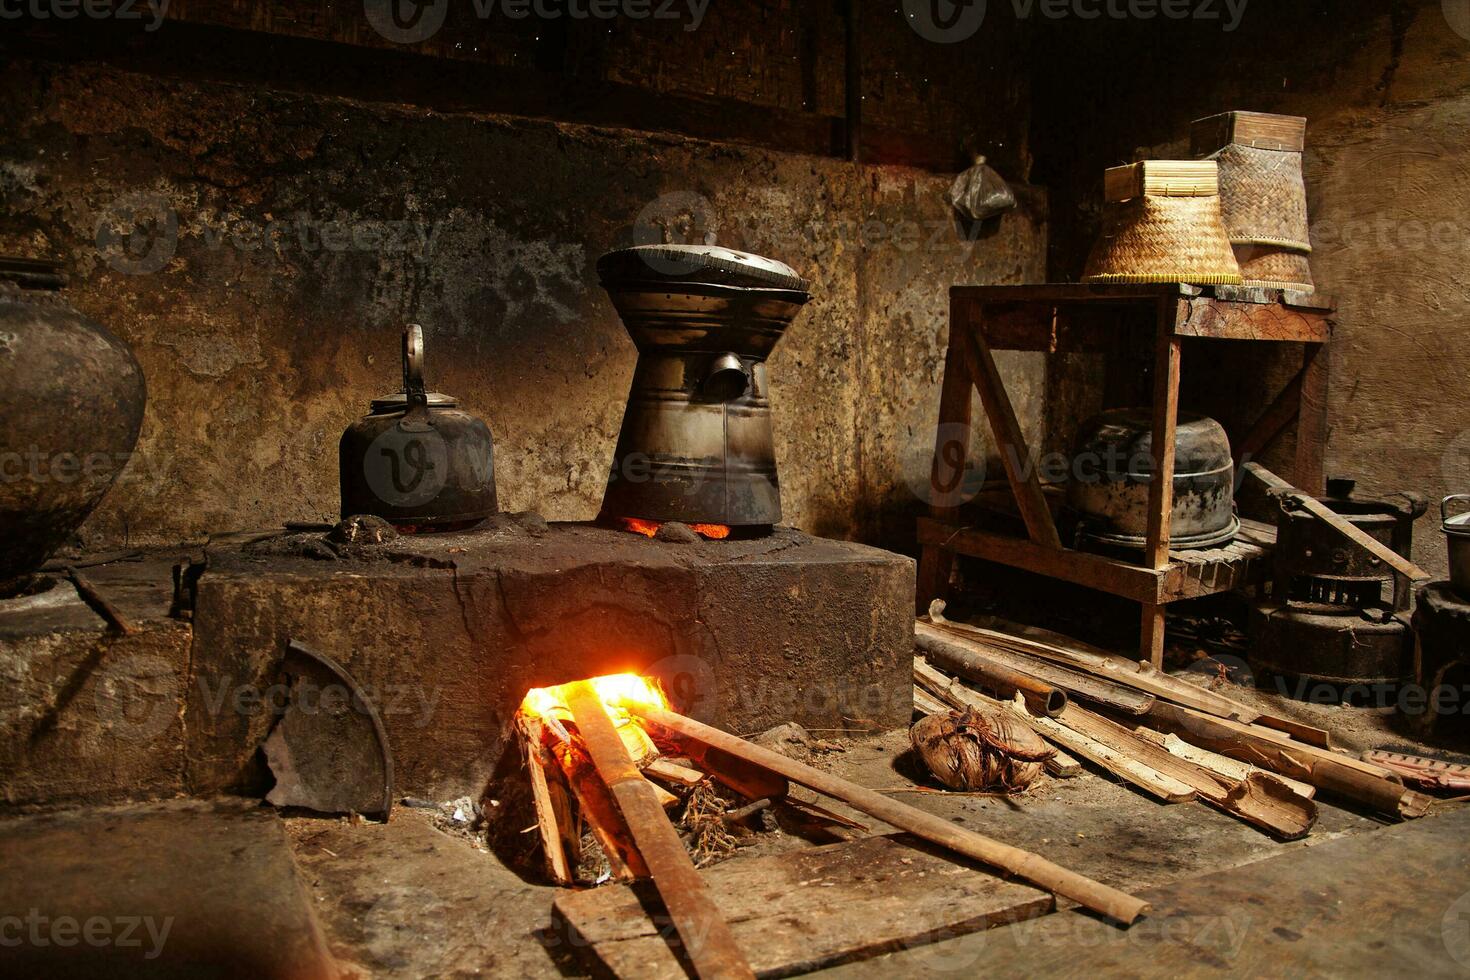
(183, 888)
(799, 911)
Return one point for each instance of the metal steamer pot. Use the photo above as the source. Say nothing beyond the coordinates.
(1112, 467)
(1457, 538)
(696, 441)
(416, 459)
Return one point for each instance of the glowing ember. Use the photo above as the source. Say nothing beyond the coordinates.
(711, 532)
(549, 705)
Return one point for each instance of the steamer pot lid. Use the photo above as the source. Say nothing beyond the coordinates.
(1123, 438)
(712, 264)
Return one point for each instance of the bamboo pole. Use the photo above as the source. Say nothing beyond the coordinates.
(1101, 898)
(705, 934)
(1051, 701)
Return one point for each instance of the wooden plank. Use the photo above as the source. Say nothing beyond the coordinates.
(1206, 316)
(197, 888)
(1081, 567)
(807, 909)
(1009, 440)
(1354, 535)
(703, 932)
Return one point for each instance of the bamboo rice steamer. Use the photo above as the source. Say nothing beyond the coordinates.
(1263, 197)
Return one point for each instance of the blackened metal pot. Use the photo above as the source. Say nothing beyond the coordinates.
(1112, 467)
(416, 459)
(696, 443)
(72, 398)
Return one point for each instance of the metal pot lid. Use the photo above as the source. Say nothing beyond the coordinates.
(712, 264)
(1459, 524)
(398, 401)
(1122, 438)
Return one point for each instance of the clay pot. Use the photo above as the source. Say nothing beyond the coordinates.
(71, 397)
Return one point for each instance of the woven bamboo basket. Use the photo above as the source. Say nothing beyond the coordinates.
(1161, 223)
(1274, 268)
(1263, 198)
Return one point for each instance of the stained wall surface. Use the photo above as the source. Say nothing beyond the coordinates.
(261, 249)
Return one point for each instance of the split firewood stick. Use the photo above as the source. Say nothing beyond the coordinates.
(1329, 771)
(1115, 904)
(705, 934)
(551, 832)
(601, 813)
(1049, 700)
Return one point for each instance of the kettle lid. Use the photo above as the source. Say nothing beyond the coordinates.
(398, 401)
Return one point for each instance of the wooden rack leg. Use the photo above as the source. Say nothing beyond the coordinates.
(1311, 420)
(1161, 489)
(947, 471)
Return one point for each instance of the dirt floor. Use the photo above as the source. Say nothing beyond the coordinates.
(382, 891)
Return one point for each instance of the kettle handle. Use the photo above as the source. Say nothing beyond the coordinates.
(1444, 505)
(413, 365)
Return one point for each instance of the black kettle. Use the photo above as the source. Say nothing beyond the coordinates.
(416, 459)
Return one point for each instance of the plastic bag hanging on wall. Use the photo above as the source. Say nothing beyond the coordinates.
(980, 193)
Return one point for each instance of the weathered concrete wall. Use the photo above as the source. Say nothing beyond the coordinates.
(309, 229)
(1386, 89)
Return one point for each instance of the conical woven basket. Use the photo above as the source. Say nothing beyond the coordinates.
(1161, 237)
(1274, 268)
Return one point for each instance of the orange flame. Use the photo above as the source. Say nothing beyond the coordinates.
(711, 532)
(616, 692)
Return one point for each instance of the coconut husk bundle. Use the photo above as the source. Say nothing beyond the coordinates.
(980, 750)
(1162, 223)
(1263, 198)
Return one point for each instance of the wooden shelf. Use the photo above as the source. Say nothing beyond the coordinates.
(1083, 318)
